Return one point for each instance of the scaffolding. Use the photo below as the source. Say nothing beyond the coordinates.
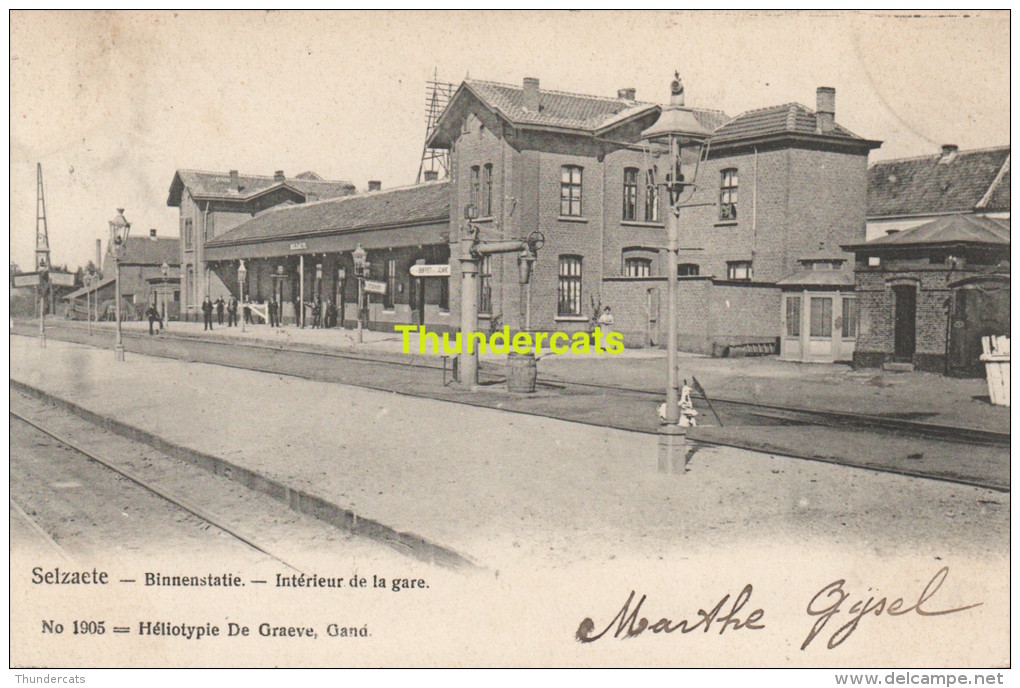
(437, 97)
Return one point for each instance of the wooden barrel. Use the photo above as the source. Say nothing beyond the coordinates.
(521, 372)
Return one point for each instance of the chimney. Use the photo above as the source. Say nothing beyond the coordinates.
(234, 184)
(530, 94)
(152, 234)
(826, 109)
(431, 175)
(278, 176)
(626, 93)
(99, 254)
(374, 185)
(948, 152)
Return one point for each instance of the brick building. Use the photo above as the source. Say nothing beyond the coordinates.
(213, 203)
(775, 183)
(141, 277)
(908, 192)
(300, 252)
(928, 294)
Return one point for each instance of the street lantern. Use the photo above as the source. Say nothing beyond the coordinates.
(120, 229)
(673, 147)
(242, 273)
(165, 269)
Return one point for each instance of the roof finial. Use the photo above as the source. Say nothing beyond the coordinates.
(677, 90)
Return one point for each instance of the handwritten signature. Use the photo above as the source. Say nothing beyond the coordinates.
(827, 603)
(834, 596)
(629, 624)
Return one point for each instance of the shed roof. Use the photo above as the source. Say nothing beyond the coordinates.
(143, 250)
(789, 118)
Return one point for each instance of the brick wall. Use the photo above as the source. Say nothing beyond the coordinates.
(709, 312)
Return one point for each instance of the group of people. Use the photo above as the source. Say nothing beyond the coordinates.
(321, 316)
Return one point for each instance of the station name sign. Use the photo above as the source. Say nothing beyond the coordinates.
(29, 279)
(430, 270)
(374, 287)
(299, 245)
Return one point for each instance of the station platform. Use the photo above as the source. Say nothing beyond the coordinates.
(918, 396)
(500, 488)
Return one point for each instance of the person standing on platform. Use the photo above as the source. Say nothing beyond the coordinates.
(316, 313)
(153, 315)
(207, 309)
(219, 310)
(274, 312)
(232, 312)
(330, 314)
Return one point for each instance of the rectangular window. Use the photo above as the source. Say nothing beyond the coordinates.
(569, 302)
(485, 286)
(728, 195)
(821, 317)
(570, 191)
(637, 267)
(849, 317)
(475, 188)
(487, 192)
(187, 233)
(739, 270)
(793, 316)
(687, 270)
(651, 203)
(630, 193)
(391, 284)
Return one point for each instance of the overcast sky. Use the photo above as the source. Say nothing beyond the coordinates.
(112, 104)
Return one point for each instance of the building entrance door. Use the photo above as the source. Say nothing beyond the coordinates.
(905, 331)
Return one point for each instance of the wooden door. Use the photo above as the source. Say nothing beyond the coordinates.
(905, 327)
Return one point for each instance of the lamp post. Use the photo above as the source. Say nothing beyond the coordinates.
(87, 281)
(242, 273)
(120, 229)
(165, 269)
(360, 265)
(673, 146)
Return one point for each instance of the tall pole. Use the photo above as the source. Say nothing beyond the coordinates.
(118, 348)
(88, 305)
(301, 306)
(361, 303)
(672, 437)
(42, 313)
(468, 312)
(243, 302)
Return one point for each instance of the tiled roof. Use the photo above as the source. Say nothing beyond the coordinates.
(790, 118)
(217, 185)
(145, 251)
(933, 184)
(570, 110)
(951, 229)
(394, 207)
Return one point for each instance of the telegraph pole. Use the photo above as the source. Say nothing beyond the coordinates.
(42, 251)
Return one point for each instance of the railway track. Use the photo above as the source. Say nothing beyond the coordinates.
(177, 501)
(743, 411)
(770, 412)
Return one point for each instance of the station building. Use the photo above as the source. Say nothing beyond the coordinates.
(777, 183)
(213, 203)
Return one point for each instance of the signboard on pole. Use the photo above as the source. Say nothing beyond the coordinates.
(29, 279)
(374, 287)
(430, 271)
(62, 279)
